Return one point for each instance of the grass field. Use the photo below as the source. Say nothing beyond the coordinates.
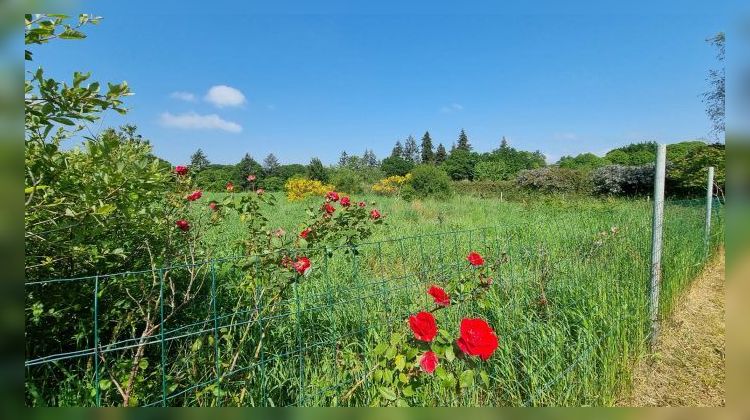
(570, 308)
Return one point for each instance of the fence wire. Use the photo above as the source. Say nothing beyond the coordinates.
(570, 305)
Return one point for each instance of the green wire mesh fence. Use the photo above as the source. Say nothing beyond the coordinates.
(570, 305)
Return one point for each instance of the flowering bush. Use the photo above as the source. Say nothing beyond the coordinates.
(391, 185)
(337, 222)
(410, 360)
(300, 188)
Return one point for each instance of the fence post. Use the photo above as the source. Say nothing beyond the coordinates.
(709, 204)
(656, 239)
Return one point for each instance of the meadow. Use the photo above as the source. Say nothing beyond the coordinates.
(569, 303)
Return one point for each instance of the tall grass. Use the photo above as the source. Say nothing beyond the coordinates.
(589, 259)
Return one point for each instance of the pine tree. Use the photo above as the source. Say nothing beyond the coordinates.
(270, 164)
(411, 150)
(463, 141)
(503, 144)
(198, 161)
(343, 159)
(428, 156)
(316, 170)
(440, 154)
(398, 150)
(453, 147)
(369, 158)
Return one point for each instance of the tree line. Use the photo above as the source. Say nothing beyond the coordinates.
(687, 162)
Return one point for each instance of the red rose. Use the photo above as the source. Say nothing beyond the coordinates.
(428, 361)
(345, 201)
(260, 191)
(214, 206)
(230, 186)
(194, 195)
(361, 204)
(251, 178)
(329, 208)
(423, 325)
(183, 225)
(181, 170)
(302, 265)
(375, 214)
(438, 293)
(332, 196)
(304, 233)
(477, 338)
(475, 259)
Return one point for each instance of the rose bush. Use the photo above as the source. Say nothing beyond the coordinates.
(408, 362)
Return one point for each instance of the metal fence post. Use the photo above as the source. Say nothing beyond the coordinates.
(709, 204)
(656, 240)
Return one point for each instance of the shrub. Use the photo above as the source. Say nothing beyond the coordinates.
(396, 165)
(623, 180)
(429, 181)
(391, 185)
(214, 177)
(460, 164)
(300, 188)
(272, 183)
(487, 189)
(553, 179)
(347, 180)
(585, 162)
(688, 174)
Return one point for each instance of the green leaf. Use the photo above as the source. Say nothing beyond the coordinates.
(408, 391)
(197, 344)
(105, 210)
(70, 33)
(485, 377)
(449, 355)
(400, 361)
(402, 403)
(466, 379)
(380, 348)
(387, 393)
(143, 364)
(403, 378)
(390, 353)
(104, 384)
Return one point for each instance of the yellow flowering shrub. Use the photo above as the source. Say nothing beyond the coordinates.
(299, 188)
(391, 185)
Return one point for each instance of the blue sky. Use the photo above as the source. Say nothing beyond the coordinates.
(302, 85)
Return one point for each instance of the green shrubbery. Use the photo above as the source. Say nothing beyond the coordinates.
(552, 179)
(347, 180)
(428, 181)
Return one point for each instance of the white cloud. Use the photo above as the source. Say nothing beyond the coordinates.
(223, 95)
(183, 96)
(451, 108)
(194, 121)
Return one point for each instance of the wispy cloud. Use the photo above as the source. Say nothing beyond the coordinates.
(223, 96)
(183, 96)
(194, 121)
(451, 108)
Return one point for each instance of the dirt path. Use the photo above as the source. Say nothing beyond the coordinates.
(687, 368)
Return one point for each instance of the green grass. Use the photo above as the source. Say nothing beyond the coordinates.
(591, 257)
